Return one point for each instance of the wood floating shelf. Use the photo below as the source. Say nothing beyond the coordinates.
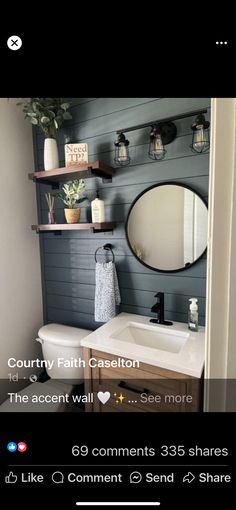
(56, 227)
(91, 169)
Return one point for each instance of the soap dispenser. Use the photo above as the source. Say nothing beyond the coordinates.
(193, 315)
(97, 209)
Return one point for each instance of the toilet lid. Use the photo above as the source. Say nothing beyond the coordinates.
(63, 335)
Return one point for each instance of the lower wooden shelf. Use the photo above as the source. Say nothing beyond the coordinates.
(95, 227)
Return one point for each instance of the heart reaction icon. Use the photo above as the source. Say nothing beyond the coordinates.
(104, 396)
(22, 447)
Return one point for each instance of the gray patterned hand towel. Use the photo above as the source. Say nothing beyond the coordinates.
(107, 293)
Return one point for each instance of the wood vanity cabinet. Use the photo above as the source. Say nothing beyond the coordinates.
(168, 387)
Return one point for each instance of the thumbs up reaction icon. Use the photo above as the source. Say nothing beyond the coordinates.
(11, 478)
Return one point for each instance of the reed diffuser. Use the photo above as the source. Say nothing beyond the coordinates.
(51, 213)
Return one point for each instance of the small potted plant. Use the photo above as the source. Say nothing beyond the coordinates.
(48, 113)
(73, 194)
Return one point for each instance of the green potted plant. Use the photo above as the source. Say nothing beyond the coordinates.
(73, 194)
(48, 114)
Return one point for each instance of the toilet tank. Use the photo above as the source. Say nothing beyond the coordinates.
(62, 344)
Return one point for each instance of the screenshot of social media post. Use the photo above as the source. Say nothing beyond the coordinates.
(110, 257)
(117, 298)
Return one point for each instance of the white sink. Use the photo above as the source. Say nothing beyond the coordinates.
(132, 336)
(151, 336)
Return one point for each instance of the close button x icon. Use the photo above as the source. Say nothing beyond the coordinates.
(14, 42)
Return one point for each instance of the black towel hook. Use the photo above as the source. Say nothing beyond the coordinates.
(107, 247)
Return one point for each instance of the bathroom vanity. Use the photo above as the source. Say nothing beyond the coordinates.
(166, 374)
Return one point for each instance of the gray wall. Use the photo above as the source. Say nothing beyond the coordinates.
(68, 260)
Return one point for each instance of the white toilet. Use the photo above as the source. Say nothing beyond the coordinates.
(57, 341)
(60, 341)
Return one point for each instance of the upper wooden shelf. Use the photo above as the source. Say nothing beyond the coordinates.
(94, 227)
(91, 169)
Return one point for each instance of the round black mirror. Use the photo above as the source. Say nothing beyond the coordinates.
(166, 227)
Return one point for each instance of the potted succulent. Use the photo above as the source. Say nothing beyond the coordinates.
(48, 114)
(73, 194)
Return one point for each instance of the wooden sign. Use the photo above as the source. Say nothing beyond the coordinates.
(76, 154)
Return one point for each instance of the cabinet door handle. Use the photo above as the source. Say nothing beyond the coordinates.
(126, 386)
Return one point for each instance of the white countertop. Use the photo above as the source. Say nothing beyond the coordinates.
(189, 360)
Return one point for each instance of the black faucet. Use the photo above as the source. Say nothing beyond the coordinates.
(159, 308)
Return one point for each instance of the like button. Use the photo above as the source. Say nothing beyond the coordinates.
(11, 478)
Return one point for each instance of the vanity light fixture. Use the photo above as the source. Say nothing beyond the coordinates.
(200, 142)
(162, 133)
(156, 147)
(122, 150)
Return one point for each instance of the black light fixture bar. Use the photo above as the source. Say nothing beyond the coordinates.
(168, 119)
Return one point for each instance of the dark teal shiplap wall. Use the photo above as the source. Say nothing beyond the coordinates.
(68, 266)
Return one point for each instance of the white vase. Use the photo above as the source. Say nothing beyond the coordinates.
(51, 159)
